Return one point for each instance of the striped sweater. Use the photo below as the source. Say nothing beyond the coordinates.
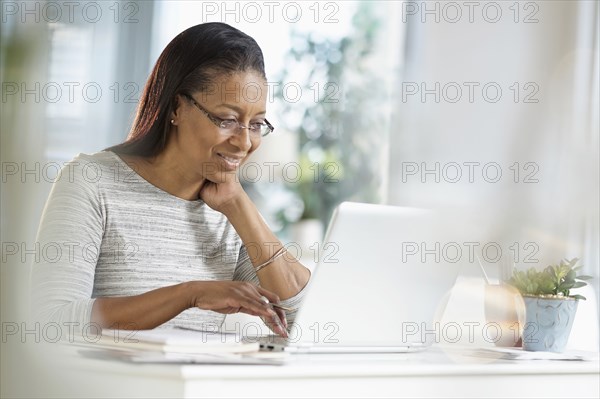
(105, 231)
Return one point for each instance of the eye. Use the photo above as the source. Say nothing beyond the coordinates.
(257, 125)
(228, 123)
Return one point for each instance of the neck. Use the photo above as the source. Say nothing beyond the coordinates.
(168, 172)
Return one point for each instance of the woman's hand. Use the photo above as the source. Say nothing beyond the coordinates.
(221, 195)
(237, 296)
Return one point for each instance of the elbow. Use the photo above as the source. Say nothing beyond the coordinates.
(300, 278)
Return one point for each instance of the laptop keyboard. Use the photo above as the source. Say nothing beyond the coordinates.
(273, 342)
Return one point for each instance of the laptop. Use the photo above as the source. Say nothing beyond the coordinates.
(377, 285)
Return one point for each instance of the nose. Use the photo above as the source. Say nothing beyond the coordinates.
(241, 139)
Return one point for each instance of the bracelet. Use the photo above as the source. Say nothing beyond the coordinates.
(277, 254)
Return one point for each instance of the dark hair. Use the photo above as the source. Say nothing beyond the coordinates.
(189, 63)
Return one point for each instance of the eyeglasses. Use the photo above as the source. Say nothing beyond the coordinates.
(232, 126)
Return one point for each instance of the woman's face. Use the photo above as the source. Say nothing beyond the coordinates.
(208, 150)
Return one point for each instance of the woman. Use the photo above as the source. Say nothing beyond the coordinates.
(159, 229)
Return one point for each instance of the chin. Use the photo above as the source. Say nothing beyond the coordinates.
(221, 176)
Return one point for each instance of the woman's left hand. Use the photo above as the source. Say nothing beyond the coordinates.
(219, 196)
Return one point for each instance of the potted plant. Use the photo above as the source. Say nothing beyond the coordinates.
(549, 305)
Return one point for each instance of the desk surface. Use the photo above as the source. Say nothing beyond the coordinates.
(432, 373)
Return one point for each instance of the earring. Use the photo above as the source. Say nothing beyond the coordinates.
(172, 121)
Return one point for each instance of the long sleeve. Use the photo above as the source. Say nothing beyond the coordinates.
(69, 239)
(107, 232)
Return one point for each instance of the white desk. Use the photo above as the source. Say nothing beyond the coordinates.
(426, 374)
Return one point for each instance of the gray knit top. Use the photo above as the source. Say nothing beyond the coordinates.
(105, 231)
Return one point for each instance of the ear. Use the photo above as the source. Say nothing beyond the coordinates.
(177, 106)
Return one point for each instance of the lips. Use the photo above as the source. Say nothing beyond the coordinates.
(232, 162)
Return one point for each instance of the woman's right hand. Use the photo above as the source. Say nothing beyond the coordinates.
(239, 296)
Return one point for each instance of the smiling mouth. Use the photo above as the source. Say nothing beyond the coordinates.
(231, 162)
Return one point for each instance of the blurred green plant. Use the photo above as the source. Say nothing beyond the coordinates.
(342, 130)
(554, 280)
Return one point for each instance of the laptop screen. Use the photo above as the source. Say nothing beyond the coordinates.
(379, 279)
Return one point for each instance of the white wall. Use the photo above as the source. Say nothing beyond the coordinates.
(554, 139)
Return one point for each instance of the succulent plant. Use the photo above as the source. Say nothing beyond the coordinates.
(554, 280)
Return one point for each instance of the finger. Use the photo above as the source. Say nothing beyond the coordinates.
(259, 307)
(282, 317)
(279, 312)
(250, 312)
(275, 324)
(268, 294)
(277, 316)
(265, 299)
(271, 321)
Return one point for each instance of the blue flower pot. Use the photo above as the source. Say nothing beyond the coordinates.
(548, 323)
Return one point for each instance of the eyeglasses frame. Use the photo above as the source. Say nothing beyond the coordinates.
(218, 121)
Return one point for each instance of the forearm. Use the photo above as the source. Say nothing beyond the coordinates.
(142, 312)
(285, 276)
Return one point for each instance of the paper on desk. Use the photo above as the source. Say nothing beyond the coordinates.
(520, 354)
(176, 340)
(140, 357)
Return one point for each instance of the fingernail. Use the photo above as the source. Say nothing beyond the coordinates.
(283, 332)
(279, 325)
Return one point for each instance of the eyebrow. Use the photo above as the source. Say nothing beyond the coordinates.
(238, 109)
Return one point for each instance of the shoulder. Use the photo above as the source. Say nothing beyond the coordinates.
(90, 169)
(99, 160)
(85, 172)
